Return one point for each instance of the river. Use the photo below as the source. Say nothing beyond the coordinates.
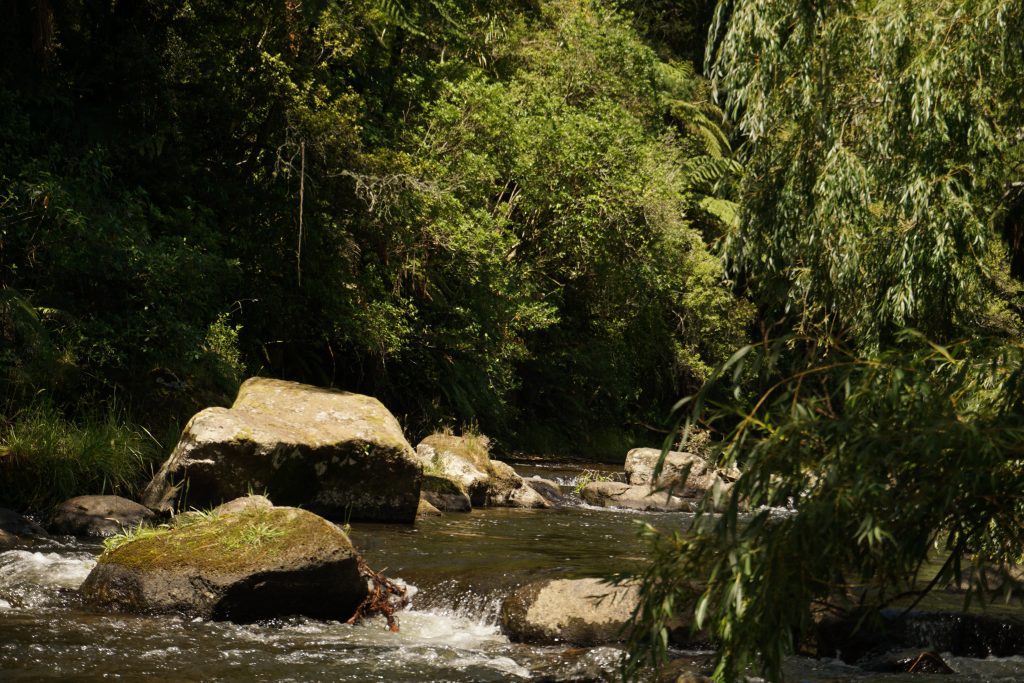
(459, 567)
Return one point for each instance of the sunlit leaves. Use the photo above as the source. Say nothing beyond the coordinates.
(877, 140)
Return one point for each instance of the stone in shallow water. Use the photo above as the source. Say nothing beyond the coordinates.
(99, 516)
(577, 611)
(641, 497)
(16, 530)
(244, 566)
(445, 494)
(338, 454)
(466, 463)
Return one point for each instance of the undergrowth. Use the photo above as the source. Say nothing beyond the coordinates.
(46, 458)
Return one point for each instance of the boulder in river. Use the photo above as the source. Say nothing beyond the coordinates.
(617, 494)
(466, 461)
(338, 454)
(684, 481)
(445, 494)
(256, 563)
(99, 516)
(16, 529)
(575, 611)
(690, 475)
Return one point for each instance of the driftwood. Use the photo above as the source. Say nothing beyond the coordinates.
(385, 597)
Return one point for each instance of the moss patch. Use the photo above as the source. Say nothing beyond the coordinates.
(235, 543)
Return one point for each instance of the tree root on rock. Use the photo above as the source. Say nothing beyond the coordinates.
(385, 597)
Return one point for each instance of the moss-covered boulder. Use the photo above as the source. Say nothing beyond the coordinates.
(258, 563)
(466, 461)
(341, 455)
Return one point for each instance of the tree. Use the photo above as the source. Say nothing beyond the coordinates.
(882, 147)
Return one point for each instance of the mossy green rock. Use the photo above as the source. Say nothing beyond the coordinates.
(259, 563)
(341, 455)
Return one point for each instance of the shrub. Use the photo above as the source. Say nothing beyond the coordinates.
(45, 458)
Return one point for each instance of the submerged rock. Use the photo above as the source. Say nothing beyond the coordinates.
(465, 461)
(256, 563)
(908, 661)
(854, 639)
(549, 490)
(576, 611)
(338, 454)
(99, 516)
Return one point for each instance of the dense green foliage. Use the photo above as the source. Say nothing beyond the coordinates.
(481, 212)
(882, 142)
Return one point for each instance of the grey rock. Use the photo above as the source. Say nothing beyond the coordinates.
(338, 454)
(618, 495)
(575, 611)
(465, 461)
(99, 516)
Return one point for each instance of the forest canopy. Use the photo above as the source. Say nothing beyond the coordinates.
(481, 212)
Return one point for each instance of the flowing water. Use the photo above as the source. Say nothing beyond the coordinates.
(459, 565)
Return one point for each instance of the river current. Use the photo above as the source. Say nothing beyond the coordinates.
(458, 567)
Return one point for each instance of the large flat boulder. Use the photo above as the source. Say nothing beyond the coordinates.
(339, 454)
(99, 516)
(255, 563)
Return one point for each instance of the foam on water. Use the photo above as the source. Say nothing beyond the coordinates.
(31, 579)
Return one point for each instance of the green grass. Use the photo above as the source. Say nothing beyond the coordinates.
(221, 542)
(588, 477)
(46, 458)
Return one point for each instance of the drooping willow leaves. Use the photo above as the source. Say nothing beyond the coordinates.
(884, 462)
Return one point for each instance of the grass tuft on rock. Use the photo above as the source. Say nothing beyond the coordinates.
(232, 542)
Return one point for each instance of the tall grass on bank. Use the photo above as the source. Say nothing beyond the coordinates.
(46, 458)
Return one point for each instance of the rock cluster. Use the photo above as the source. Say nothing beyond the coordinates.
(459, 475)
(685, 479)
